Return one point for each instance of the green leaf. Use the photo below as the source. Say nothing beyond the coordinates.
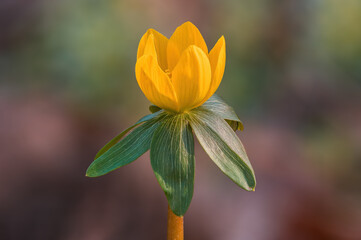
(223, 147)
(121, 135)
(126, 151)
(172, 159)
(217, 105)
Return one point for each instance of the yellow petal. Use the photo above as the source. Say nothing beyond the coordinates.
(155, 84)
(217, 58)
(191, 77)
(160, 43)
(149, 48)
(185, 35)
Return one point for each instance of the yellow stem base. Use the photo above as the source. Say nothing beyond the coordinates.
(175, 226)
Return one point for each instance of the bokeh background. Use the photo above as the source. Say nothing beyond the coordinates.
(67, 86)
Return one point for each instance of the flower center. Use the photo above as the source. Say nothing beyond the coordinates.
(168, 73)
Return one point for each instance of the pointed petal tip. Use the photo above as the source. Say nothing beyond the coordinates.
(151, 35)
(217, 58)
(154, 32)
(222, 40)
(188, 23)
(185, 35)
(194, 48)
(158, 42)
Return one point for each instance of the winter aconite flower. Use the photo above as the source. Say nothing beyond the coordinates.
(179, 74)
(180, 77)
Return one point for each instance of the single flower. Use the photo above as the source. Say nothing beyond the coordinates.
(179, 74)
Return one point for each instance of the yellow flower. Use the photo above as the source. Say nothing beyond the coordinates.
(179, 74)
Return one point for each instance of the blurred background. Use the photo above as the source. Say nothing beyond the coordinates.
(67, 86)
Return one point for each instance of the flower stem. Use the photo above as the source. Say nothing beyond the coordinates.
(175, 226)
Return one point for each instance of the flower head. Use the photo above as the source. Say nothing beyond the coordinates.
(179, 73)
